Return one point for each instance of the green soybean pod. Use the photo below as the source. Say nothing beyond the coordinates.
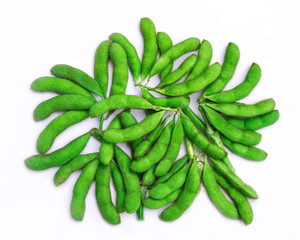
(173, 53)
(101, 65)
(76, 163)
(173, 150)
(234, 180)
(255, 123)
(60, 156)
(243, 205)
(231, 60)
(60, 86)
(103, 195)
(120, 69)
(244, 110)
(164, 44)
(194, 85)
(77, 76)
(175, 76)
(232, 132)
(240, 91)
(132, 56)
(190, 148)
(250, 153)
(150, 46)
(144, 146)
(106, 151)
(81, 189)
(174, 102)
(200, 140)
(159, 203)
(120, 102)
(187, 196)
(173, 183)
(194, 118)
(131, 181)
(61, 103)
(175, 168)
(157, 152)
(119, 186)
(148, 176)
(216, 195)
(147, 96)
(56, 127)
(134, 132)
(204, 58)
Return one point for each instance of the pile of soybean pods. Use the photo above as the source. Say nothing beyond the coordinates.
(152, 176)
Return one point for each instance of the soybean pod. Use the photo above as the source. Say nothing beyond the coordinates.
(119, 186)
(148, 176)
(164, 44)
(174, 102)
(152, 203)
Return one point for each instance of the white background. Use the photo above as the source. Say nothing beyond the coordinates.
(35, 35)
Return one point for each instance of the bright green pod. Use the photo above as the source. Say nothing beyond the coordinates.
(173, 183)
(159, 203)
(231, 60)
(255, 123)
(244, 110)
(60, 156)
(194, 85)
(190, 148)
(200, 140)
(120, 102)
(77, 76)
(103, 195)
(76, 163)
(232, 132)
(148, 176)
(164, 44)
(250, 153)
(132, 56)
(131, 181)
(156, 153)
(216, 195)
(150, 46)
(204, 58)
(61, 103)
(56, 127)
(147, 96)
(134, 132)
(101, 65)
(194, 118)
(175, 76)
(60, 86)
(242, 90)
(119, 186)
(173, 150)
(81, 189)
(173, 102)
(173, 53)
(187, 196)
(244, 207)
(234, 180)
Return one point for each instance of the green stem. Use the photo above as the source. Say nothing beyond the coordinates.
(141, 207)
(96, 134)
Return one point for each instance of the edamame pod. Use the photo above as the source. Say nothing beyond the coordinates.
(187, 196)
(240, 91)
(132, 56)
(148, 176)
(131, 181)
(101, 65)
(76, 163)
(103, 195)
(232, 132)
(134, 132)
(190, 149)
(56, 127)
(174, 102)
(164, 43)
(60, 86)
(194, 118)
(231, 60)
(60, 156)
(216, 195)
(159, 203)
(119, 186)
(61, 103)
(157, 152)
(150, 46)
(175, 76)
(173, 53)
(204, 58)
(147, 96)
(81, 189)
(234, 180)
(77, 76)
(244, 110)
